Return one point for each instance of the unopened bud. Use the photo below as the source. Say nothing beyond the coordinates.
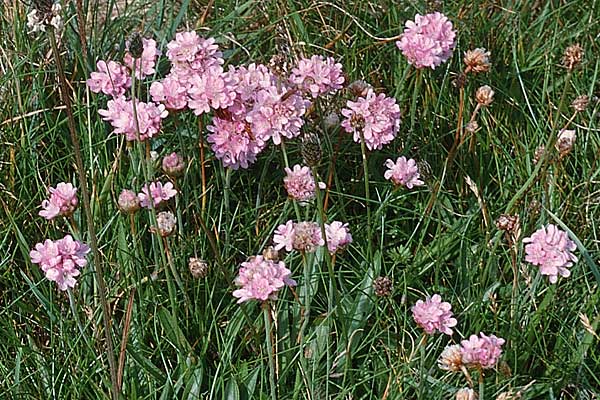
(311, 149)
(573, 56)
(173, 165)
(359, 88)
(136, 45)
(198, 268)
(165, 221)
(484, 95)
(382, 286)
(128, 201)
(270, 254)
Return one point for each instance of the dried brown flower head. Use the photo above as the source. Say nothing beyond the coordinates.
(565, 141)
(382, 286)
(466, 394)
(573, 56)
(477, 60)
(484, 95)
(472, 126)
(451, 358)
(165, 221)
(507, 222)
(580, 103)
(539, 154)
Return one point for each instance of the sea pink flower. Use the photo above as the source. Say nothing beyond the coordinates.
(318, 75)
(403, 172)
(60, 260)
(301, 236)
(120, 114)
(338, 236)
(173, 164)
(210, 89)
(170, 92)
(483, 351)
(62, 201)
(158, 192)
(299, 183)
(377, 116)
(191, 54)
(128, 201)
(261, 279)
(428, 41)
(111, 79)
(250, 80)
(277, 113)
(233, 143)
(551, 250)
(144, 66)
(433, 314)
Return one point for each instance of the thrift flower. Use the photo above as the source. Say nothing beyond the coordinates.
(261, 279)
(144, 65)
(376, 116)
(428, 41)
(119, 113)
(211, 89)
(191, 54)
(158, 192)
(111, 79)
(128, 201)
(233, 143)
(60, 260)
(433, 314)
(338, 236)
(301, 236)
(63, 201)
(477, 60)
(466, 394)
(299, 183)
(483, 351)
(166, 222)
(451, 358)
(170, 92)
(318, 75)
(551, 250)
(173, 165)
(403, 172)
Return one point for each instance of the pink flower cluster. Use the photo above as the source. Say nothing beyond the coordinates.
(111, 78)
(318, 75)
(428, 41)
(434, 314)
(377, 117)
(121, 116)
(261, 279)
(156, 194)
(62, 201)
(144, 65)
(338, 236)
(551, 250)
(60, 260)
(299, 183)
(403, 172)
(481, 351)
(306, 236)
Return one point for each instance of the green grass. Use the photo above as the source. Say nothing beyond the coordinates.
(193, 341)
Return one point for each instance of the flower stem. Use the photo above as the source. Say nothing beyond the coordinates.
(363, 148)
(99, 275)
(270, 353)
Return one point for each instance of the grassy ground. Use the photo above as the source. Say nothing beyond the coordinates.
(190, 340)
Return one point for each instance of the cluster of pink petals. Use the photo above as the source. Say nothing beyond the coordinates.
(301, 236)
(233, 143)
(483, 351)
(376, 116)
(156, 194)
(60, 260)
(318, 75)
(428, 41)
(191, 54)
(211, 89)
(144, 66)
(261, 279)
(111, 78)
(434, 314)
(299, 183)
(338, 236)
(62, 201)
(551, 250)
(169, 92)
(120, 114)
(403, 172)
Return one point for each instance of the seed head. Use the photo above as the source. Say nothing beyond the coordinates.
(507, 222)
(580, 103)
(382, 286)
(311, 149)
(484, 95)
(477, 60)
(198, 268)
(573, 56)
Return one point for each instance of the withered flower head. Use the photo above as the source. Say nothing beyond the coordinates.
(484, 95)
(198, 268)
(507, 222)
(580, 103)
(565, 142)
(477, 60)
(573, 56)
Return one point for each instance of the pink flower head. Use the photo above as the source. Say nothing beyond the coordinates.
(483, 351)
(250, 80)
(233, 143)
(377, 116)
(261, 279)
(173, 165)
(551, 249)
(299, 183)
(170, 92)
(277, 113)
(62, 201)
(158, 192)
(120, 115)
(433, 314)
(144, 66)
(403, 172)
(301, 236)
(60, 260)
(428, 41)
(210, 89)
(338, 236)
(190, 53)
(318, 75)
(111, 79)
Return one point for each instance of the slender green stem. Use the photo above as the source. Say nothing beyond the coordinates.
(481, 386)
(363, 148)
(98, 273)
(226, 193)
(413, 107)
(76, 317)
(422, 375)
(270, 353)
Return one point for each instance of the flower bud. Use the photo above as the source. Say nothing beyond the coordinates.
(359, 88)
(198, 268)
(565, 141)
(311, 149)
(484, 95)
(270, 254)
(128, 201)
(173, 165)
(382, 286)
(466, 394)
(136, 45)
(165, 221)
(573, 56)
